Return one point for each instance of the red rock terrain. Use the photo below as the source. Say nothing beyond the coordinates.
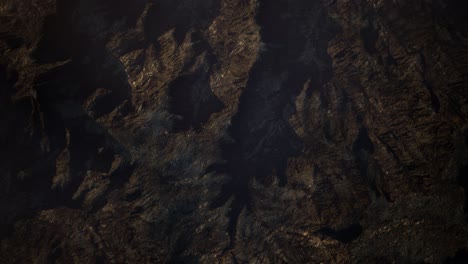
(233, 131)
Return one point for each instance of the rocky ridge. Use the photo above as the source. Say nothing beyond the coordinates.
(233, 131)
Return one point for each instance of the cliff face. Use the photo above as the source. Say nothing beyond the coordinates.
(233, 131)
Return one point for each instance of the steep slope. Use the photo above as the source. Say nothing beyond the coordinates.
(233, 131)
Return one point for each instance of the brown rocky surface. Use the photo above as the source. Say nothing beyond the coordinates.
(233, 131)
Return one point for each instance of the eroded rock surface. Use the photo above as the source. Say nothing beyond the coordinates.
(233, 131)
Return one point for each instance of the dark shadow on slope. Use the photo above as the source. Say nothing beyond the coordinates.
(192, 99)
(363, 149)
(89, 65)
(435, 103)
(129, 10)
(8, 79)
(86, 66)
(369, 36)
(454, 11)
(461, 257)
(57, 41)
(345, 235)
(9, 115)
(12, 41)
(463, 182)
(263, 138)
(181, 16)
(37, 124)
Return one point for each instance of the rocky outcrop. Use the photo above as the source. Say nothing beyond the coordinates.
(233, 131)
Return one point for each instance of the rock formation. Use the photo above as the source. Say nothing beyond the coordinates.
(233, 131)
